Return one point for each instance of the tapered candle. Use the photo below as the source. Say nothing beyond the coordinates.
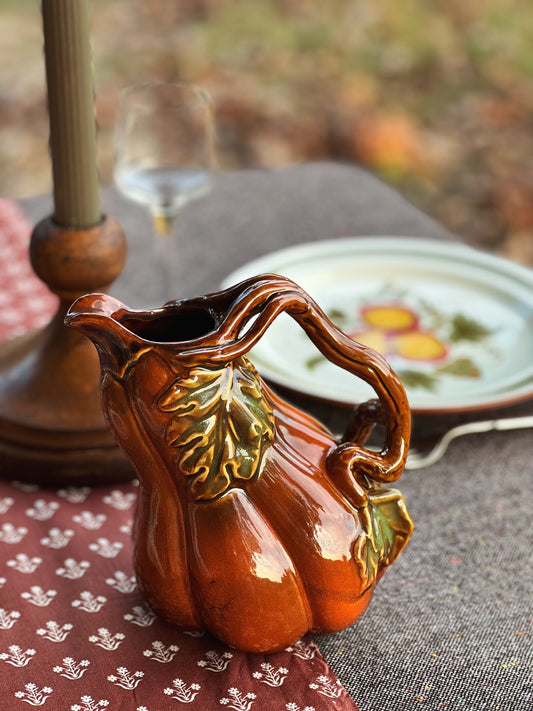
(71, 109)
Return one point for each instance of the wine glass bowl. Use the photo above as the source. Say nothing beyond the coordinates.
(164, 154)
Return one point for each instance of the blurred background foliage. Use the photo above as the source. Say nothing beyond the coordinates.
(436, 98)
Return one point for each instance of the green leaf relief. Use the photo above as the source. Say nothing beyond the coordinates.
(386, 527)
(221, 426)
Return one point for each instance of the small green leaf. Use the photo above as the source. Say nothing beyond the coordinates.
(336, 315)
(466, 329)
(462, 368)
(386, 526)
(312, 363)
(417, 379)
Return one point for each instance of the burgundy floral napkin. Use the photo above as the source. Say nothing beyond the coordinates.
(75, 634)
(25, 302)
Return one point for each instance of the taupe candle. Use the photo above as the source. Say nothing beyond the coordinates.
(71, 108)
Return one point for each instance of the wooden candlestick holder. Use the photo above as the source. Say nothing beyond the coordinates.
(52, 429)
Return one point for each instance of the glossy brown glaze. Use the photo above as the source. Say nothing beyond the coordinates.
(252, 520)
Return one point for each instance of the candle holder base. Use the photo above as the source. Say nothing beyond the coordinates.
(52, 429)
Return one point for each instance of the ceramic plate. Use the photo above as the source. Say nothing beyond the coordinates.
(456, 324)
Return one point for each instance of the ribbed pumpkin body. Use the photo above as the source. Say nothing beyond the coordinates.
(259, 560)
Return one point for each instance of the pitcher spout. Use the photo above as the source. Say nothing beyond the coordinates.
(97, 316)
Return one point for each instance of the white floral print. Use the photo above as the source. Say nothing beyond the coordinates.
(72, 669)
(125, 678)
(161, 653)
(37, 596)
(24, 486)
(89, 602)
(16, 656)
(106, 640)
(105, 548)
(33, 695)
(122, 582)
(6, 503)
(89, 704)
(90, 521)
(10, 534)
(141, 615)
(54, 631)
(237, 700)
(74, 494)
(182, 692)
(25, 564)
(215, 661)
(57, 538)
(194, 633)
(270, 675)
(8, 619)
(304, 650)
(325, 686)
(119, 500)
(127, 527)
(72, 569)
(42, 510)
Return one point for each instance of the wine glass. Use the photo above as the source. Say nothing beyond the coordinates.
(164, 156)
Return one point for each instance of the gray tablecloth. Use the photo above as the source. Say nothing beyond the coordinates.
(451, 623)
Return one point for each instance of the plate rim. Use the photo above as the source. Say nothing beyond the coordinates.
(425, 247)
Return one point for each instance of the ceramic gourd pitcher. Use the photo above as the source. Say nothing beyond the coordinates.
(252, 520)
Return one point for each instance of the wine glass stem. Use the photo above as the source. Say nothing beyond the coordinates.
(165, 252)
(163, 224)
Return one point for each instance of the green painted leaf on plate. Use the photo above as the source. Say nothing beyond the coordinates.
(466, 329)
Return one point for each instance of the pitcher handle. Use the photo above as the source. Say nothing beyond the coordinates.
(264, 298)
